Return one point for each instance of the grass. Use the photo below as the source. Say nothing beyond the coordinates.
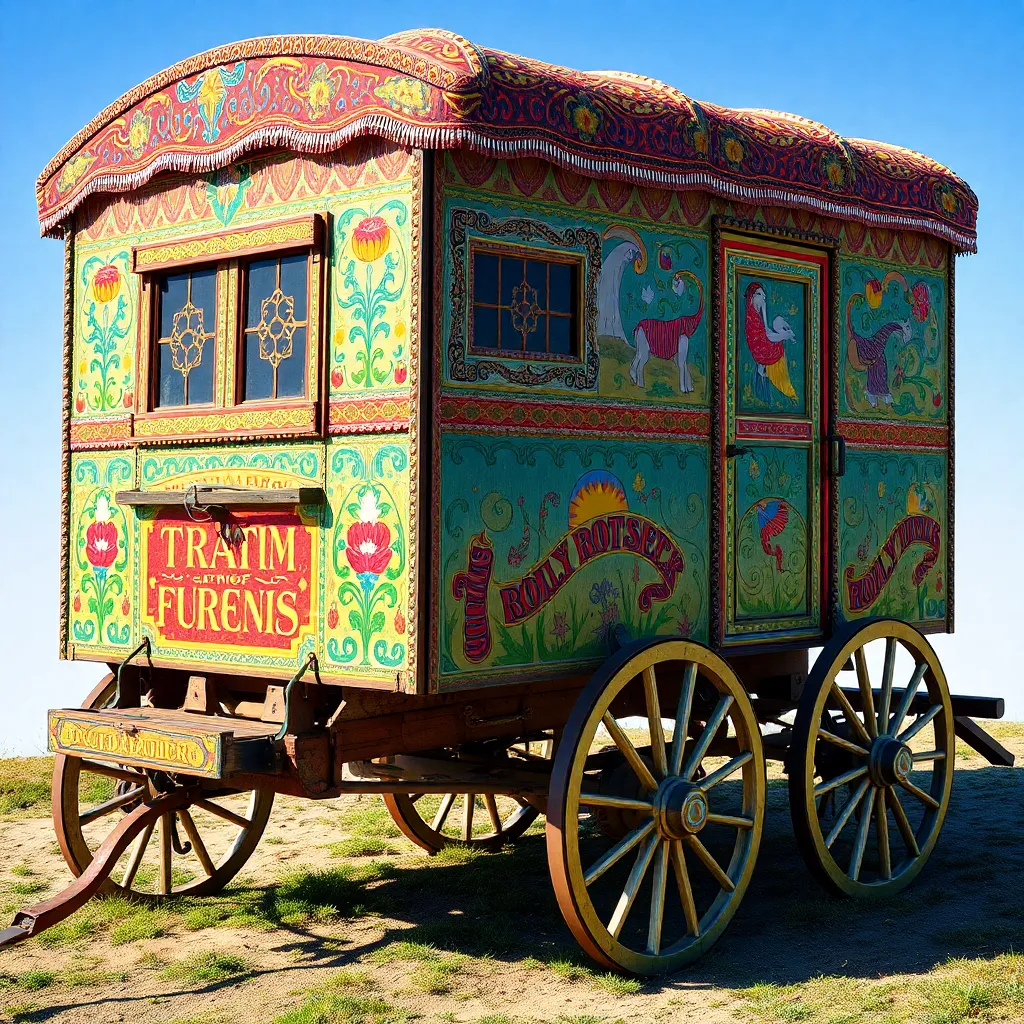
(435, 970)
(207, 968)
(325, 1005)
(359, 846)
(25, 786)
(38, 979)
(369, 820)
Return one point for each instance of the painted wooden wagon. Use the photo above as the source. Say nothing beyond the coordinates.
(500, 438)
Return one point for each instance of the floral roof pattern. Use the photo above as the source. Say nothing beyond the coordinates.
(431, 89)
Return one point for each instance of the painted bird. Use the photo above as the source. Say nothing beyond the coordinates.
(772, 516)
(766, 345)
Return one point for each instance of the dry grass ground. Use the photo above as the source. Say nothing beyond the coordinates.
(338, 920)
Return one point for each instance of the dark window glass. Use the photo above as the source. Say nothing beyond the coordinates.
(187, 323)
(276, 322)
(525, 304)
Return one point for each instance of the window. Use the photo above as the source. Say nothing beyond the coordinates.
(231, 325)
(274, 350)
(525, 303)
(187, 321)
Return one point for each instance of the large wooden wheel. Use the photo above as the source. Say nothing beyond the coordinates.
(661, 895)
(865, 766)
(486, 822)
(195, 851)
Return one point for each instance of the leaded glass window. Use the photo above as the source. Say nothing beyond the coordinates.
(526, 304)
(276, 323)
(185, 349)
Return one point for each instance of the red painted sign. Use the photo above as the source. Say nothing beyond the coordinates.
(253, 591)
(862, 591)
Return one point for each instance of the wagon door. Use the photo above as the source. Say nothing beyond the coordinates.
(774, 341)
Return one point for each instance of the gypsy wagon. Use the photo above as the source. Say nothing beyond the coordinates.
(500, 439)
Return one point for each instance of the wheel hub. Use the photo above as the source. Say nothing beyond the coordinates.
(891, 761)
(680, 809)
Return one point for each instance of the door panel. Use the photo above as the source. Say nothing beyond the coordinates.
(773, 346)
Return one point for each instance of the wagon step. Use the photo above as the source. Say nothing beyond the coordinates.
(32, 920)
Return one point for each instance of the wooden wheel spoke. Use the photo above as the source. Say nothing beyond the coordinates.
(925, 798)
(492, 811)
(659, 883)
(654, 725)
(908, 696)
(882, 836)
(109, 806)
(198, 846)
(223, 812)
(138, 850)
(885, 698)
(113, 771)
(636, 876)
(617, 852)
(860, 842)
(415, 797)
(609, 800)
(700, 748)
(851, 716)
(902, 823)
(732, 820)
(626, 748)
(841, 742)
(846, 813)
(468, 807)
(442, 812)
(922, 720)
(864, 681)
(682, 718)
(729, 768)
(166, 853)
(929, 755)
(705, 857)
(840, 780)
(683, 883)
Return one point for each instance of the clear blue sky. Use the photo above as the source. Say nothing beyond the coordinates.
(943, 78)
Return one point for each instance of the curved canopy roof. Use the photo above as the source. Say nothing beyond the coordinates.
(434, 90)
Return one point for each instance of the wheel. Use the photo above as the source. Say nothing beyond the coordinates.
(865, 763)
(220, 833)
(699, 808)
(462, 819)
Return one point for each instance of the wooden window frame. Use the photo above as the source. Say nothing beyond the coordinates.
(230, 253)
(539, 255)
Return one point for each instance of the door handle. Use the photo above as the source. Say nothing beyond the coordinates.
(839, 466)
(732, 450)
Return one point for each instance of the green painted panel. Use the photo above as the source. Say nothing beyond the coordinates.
(772, 537)
(547, 547)
(893, 342)
(771, 352)
(892, 536)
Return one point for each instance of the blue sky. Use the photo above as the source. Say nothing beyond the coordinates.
(942, 78)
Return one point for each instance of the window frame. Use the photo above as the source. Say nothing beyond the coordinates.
(229, 254)
(539, 255)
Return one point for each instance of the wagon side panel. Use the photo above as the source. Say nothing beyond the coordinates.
(571, 467)
(893, 540)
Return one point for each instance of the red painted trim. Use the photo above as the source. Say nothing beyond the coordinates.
(362, 415)
(890, 434)
(773, 429)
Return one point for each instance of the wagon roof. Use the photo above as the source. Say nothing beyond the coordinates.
(435, 90)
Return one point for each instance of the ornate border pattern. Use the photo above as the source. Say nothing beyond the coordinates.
(434, 90)
(110, 432)
(364, 415)
(464, 367)
(886, 434)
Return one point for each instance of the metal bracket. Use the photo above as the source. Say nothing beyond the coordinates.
(146, 646)
(310, 663)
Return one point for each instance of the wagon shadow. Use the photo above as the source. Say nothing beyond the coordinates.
(787, 930)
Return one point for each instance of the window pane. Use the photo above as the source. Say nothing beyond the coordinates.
(511, 277)
(536, 340)
(171, 389)
(291, 373)
(259, 374)
(537, 278)
(204, 295)
(562, 276)
(510, 337)
(261, 280)
(485, 278)
(173, 296)
(485, 327)
(200, 377)
(293, 282)
(560, 336)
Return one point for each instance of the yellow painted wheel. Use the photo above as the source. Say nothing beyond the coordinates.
(871, 769)
(660, 896)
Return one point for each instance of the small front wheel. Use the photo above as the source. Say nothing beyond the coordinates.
(693, 807)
